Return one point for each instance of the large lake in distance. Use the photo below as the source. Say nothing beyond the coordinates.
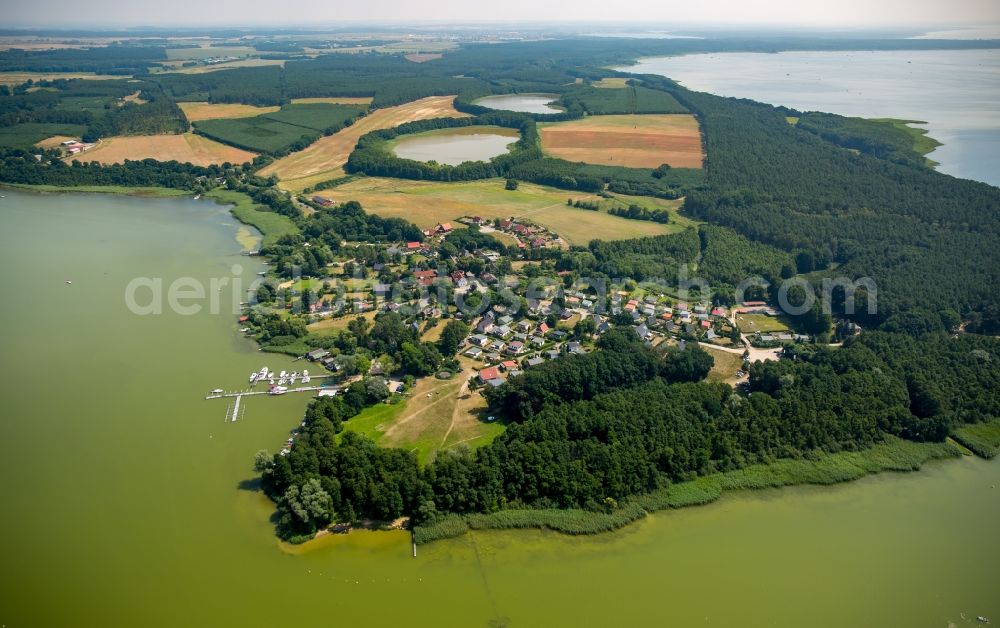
(128, 500)
(956, 92)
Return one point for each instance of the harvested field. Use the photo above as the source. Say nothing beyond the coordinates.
(610, 83)
(188, 147)
(16, 78)
(422, 57)
(134, 98)
(55, 141)
(228, 65)
(196, 111)
(325, 158)
(205, 52)
(426, 203)
(635, 141)
(335, 100)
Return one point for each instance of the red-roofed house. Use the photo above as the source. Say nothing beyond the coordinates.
(706, 325)
(508, 365)
(487, 374)
(444, 227)
(412, 246)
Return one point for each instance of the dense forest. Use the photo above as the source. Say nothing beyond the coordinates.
(780, 185)
(879, 138)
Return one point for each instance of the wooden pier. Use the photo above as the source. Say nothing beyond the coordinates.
(246, 393)
(237, 407)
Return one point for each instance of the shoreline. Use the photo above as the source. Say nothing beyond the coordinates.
(892, 455)
(241, 209)
(44, 188)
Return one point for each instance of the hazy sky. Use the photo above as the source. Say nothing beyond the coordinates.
(194, 13)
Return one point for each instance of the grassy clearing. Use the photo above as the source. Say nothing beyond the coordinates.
(197, 111)
(270, 224)
(372, 420)
(982, 438)
(634, 141)
(436, 415)
(426, 203)
(725, 367)
(678, 222)
(752, 323)
(185, 148)
(892, 455)
(922, 143)
(325, 158)
(331, 326)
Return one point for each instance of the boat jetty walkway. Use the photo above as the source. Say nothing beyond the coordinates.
(233, 411)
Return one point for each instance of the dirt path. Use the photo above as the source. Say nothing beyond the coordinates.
(325, 158)
(454, 413)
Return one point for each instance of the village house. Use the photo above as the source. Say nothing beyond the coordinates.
(486, 323)
(488, 373)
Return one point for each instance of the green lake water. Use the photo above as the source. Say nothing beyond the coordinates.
(526, 103)
(125, 496)
(455, 146)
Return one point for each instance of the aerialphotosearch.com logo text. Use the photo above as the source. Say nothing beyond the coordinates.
(233, 294)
